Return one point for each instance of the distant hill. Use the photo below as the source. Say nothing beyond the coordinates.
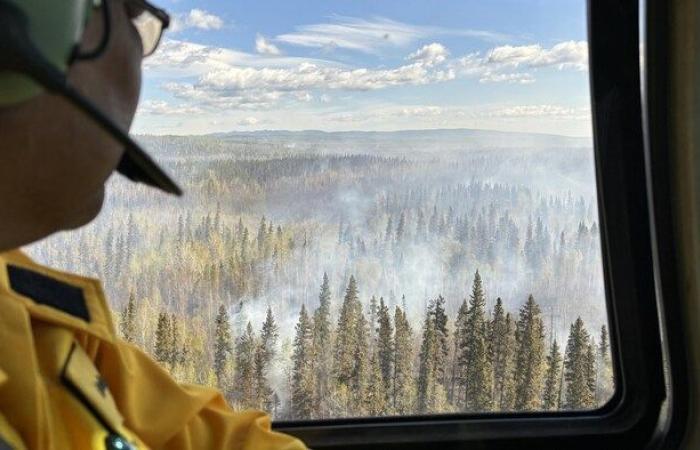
(478, 138)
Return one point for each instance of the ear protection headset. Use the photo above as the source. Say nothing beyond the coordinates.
(38, 42)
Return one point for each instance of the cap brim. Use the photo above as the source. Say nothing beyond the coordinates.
(137, 166)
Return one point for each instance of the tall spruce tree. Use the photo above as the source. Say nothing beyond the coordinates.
(161, 351)
(478, 374)
(431, 395)
(576, 368)
(322, 351)
(501, 354)
(302, 370)
(459, 382)
(605, 382)
(550, 396)
(264, 355)
(127, 325)
(174, 349)
(222, 346)
(529, 357)
(375, 398)
(402, 392)
(245, 368)
(385, 345)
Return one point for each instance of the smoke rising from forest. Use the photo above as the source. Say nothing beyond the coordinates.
(411, 215)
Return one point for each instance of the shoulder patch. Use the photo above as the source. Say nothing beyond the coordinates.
(48, 291)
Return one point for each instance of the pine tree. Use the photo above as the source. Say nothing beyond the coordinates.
(302, 370)
(162, 344)
(605, 382)
(174, 350)
(264, 355)
(576, 368)
(591, 374)
(128, 322)
(361, 371)
(550, 397)
(222, 346)
(322, 351)
(478, 372)
(501, 343)
(402, 393)
(385, 345)
(245, 368)
(375, 398)
(431, 394)
(459, 375)
(529, 357)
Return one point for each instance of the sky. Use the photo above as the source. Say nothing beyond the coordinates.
(339, 65)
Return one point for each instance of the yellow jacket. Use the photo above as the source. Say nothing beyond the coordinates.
(68, 382)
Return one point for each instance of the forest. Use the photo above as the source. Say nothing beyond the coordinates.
(459, 271)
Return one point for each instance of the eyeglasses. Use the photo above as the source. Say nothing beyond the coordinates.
(148, 20)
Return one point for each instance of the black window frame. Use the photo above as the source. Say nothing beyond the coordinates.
(633, 417)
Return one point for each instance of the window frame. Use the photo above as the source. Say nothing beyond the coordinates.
(631, 418)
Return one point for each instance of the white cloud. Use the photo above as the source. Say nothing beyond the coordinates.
(248, 121)
(553, 111)
(430, 54)
(264, 47)
(370, 36)
(564, 55)
(159, 107)
(196, 18)
(517, 77)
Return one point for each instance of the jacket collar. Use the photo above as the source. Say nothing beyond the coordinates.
(53, 296)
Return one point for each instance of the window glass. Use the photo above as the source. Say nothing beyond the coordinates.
(390, 209)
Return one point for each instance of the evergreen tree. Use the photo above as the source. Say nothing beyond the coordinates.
(385, 345)
(605, 382)
(302, 370)
(459, 375)
(478, 374)
(550, 397)
(264, 355)
(222, 345)
(322, 351)
(375, 398)
(576, 368)
(501, 343)
(431, 395)
(402, 393)
(128, 322)
(162, 344)
(529, 357)
(245, 368)
(174, 350)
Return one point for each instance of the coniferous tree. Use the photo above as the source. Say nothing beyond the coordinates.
(550, 396)
(385, 345)
(174, 350)
(162, 345)
(322, 351)
(264, 355)
(478, 374)
(576, 368)
(501, 354)
(431, 395)
(222, 345)
(302, 371)
(529, 357)
(128, 322)
(459, 375)
(375, 398)
(592, 373)
(245, 368)
(402, 392)
(605, 382)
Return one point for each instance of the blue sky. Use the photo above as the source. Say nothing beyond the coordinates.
(369, 65)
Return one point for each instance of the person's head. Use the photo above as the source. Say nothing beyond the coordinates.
(54, 161)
